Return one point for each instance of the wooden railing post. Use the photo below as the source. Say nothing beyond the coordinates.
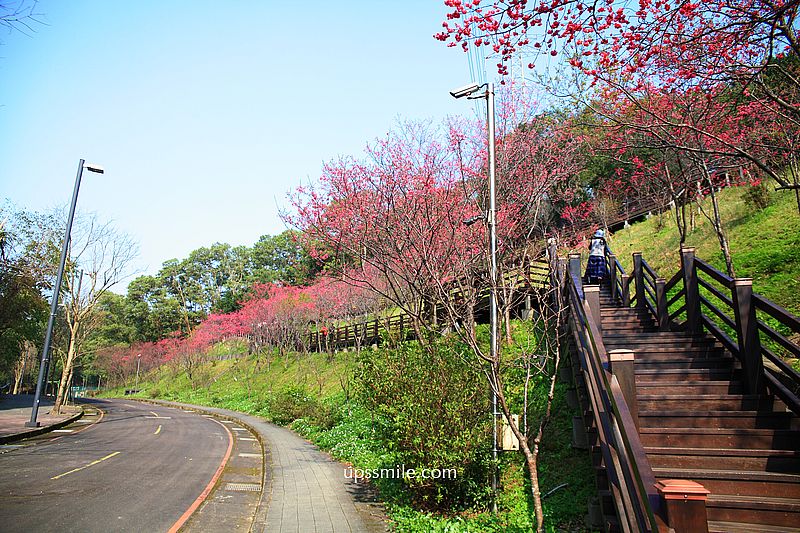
(621, 364)
(575, 269)
(685, 503)
(693, 324)
(612, 267)
(626, 290)
(638, 276)
(591, 294)
(747, 334)
(661, 305)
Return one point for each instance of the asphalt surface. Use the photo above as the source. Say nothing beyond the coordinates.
(140, 468)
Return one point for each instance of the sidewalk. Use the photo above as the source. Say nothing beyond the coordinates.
(306, 490)
(15, 411)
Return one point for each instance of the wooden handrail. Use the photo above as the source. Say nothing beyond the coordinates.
(629, 468)
(728, 321)
(678, 295)
(673, 281)
(717, 275)
(647, 268)
(716, 292)
(785, 343)
(700, 310)
(777, 312)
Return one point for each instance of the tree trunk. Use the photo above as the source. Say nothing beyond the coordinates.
(507, 318)
(531, 458)
(716, 222)
(26, 357)
(795, 170)
(67, 370)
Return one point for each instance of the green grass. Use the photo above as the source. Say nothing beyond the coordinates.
(248, 384)
(765, 244)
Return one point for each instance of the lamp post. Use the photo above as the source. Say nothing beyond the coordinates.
(57, 291)
(138, 360)
(473, 91)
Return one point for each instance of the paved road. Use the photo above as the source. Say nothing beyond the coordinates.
(140, 468)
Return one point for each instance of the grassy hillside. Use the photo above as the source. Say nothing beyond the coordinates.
(765, 243)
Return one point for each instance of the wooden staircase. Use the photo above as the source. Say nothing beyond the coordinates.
(697, 423)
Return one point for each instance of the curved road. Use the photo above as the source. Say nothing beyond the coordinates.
(140, 468)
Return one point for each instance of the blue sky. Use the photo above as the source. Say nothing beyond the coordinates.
(205, 114)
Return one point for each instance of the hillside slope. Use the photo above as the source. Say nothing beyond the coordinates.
(765, 244)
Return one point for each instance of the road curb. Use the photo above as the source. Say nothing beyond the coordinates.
(5, 439)
(260, 518)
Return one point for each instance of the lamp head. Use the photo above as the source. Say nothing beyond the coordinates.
(472, 220)
(91, 167)
(466, 90)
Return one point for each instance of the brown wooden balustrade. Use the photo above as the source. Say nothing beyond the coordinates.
(717, 404)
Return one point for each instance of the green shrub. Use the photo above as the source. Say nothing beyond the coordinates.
(294, 403)
(154, 393)
(758, 195)
(435, 405)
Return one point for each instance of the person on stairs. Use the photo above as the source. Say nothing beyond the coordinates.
(596, 267)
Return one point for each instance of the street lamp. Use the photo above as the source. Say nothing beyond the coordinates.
(57, 290)
(138, 360)
(474, 91)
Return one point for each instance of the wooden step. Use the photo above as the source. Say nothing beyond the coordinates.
(718, 419)
(706, 402)
(707, 350)
(656, 361)
(626, 330)
(628, 326)
(737, 483)
(758, 511)
(646, 388)
(626, 319)
(667, 353)
(607, 311)
(666, 346)
(770, 439)
(786, 461)
(656, 338)
(738, 527)
(686, 374)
